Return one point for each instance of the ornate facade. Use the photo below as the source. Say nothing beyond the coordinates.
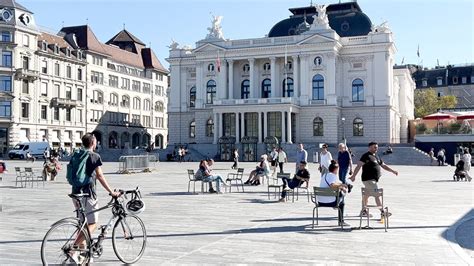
(318, 76)
(56, 87)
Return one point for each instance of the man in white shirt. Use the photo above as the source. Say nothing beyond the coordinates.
(325, 161)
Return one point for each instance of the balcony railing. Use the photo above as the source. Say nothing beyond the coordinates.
(29, 74)
(280, 100)
(64, 103)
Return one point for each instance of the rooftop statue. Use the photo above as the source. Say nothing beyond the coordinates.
(173, 45)
(215, 31)
(381, 28)
(321, 18)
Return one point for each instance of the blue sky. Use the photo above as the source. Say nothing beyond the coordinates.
(443, 29)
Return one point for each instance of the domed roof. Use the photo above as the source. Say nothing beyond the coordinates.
(347, 19)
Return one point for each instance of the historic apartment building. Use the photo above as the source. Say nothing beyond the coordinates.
(56, 87)
(457, 80)
(320, 76)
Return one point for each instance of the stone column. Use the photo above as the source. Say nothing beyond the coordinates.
(242, 125)
(288, 127)
(220, 124)
(273, 80)
(283, 133)
(200, 90)
(296, 77)
(259, 127)
(265, 125)
(221, 89)
(231, 79)
(216, 115)
(253, 91)
(237, 128)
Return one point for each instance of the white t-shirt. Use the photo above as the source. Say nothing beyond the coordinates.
(326, 159)
(331, 179)
(281, 157)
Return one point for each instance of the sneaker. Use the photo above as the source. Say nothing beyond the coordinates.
(287, 189)
(344, 224)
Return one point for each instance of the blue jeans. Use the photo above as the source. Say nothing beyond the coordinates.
(340, 215)
(214, 178)
(343, 174)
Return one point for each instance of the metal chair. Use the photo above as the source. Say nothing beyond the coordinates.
(385, 215)
(325, 192)
(275, 185)
(298, 191)
(236, 177)
(20, 176)
(192, 178)
(30, 175)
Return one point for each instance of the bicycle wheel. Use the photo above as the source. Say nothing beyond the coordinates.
(129, 239)
(58, 244)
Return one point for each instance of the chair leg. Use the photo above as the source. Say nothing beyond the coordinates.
(242, 184)
(189, 185)
(307, 194)
(313, 217)
(268, 192)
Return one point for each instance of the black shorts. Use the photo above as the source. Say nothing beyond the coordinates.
(274, 163)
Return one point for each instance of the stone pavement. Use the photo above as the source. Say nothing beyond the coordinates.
(431, 214)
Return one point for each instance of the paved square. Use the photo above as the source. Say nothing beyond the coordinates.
(247, 228)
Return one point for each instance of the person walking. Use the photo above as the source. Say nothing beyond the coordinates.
(301, 155)
(441, 157)
(467, 158)
(325, 160)
(274, 160)
(344, 159)
(371, 165)
(282, 159)
(236, 159)
(432, 156)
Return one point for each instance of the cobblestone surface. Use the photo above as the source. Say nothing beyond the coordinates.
(247, 228)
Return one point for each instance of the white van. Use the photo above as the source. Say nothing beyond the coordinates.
(36, 149)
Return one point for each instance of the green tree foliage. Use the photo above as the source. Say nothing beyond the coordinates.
(427, 102)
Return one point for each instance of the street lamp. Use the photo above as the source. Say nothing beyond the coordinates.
(343, 119)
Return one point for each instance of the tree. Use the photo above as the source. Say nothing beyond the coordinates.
(427, 102)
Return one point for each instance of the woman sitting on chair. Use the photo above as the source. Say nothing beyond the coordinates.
(331, 180)
(262, 169)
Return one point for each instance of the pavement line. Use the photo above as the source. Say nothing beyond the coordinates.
(231, 236)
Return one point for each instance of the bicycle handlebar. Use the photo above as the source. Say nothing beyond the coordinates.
(125, 192)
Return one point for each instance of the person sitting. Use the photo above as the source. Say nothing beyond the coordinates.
(388, 151)
(301, 176)
(460, 171)
(262, 169)
(208, 177)
(331, 180)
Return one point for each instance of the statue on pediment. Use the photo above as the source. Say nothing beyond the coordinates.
(320, 20)
(215, 31)
(174, 45)
(382, 28)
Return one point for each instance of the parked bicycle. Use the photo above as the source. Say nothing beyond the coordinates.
(61, 243)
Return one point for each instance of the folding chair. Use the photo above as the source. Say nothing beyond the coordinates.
(385, 214)
(30, 175)
(325, 192)
(20, 177)
(237, 177)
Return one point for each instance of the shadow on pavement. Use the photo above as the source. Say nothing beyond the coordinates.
(461, 232)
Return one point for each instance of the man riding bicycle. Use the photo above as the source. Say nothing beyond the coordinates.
(93, 172)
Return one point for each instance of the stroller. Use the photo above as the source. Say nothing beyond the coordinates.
(459, 173)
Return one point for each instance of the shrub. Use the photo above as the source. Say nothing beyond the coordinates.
(420, 128)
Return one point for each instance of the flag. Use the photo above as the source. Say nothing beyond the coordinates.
(418, 51)
(218, 62)
(403, 60)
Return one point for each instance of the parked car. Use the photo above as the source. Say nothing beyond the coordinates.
(36, 149)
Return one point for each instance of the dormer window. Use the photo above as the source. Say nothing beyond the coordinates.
(210, 67)
(266, 66)
(424, 82)
(44, 46)
(68, 52)
(455, 80)
(56, 49)
(79, 55)
(439, 81)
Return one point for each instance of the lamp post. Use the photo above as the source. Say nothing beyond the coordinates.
(343, 119)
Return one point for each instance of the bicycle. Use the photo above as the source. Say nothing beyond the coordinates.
(128, 234)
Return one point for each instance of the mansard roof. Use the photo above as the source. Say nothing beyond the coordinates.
(86, 38)
(445, 73)
(14, 4)
(347, 19)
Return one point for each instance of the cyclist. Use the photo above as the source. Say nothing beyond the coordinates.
(93, 172)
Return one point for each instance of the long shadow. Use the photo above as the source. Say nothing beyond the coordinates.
(10, 187)
(444, 181)
(260, 201)
(166, 194)
(461, 232)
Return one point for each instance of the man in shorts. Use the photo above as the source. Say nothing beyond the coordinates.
(371, 164)
(93, 172)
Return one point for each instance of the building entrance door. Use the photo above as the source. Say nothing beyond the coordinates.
(226, 147)
(249, 149)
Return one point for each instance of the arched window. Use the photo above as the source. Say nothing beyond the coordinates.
(318, 87)
(159, 106)
(318, 127)
(192, 97)
(210, 128)
(246, 68)
(288, 90)
(136, 103)
(357, 90)
(211, 91)
(358, 127)
(146, 105)
(266, 67)
(210, 67)
(266, 88)
(192, 129)
(245, 89)
(125, 101)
